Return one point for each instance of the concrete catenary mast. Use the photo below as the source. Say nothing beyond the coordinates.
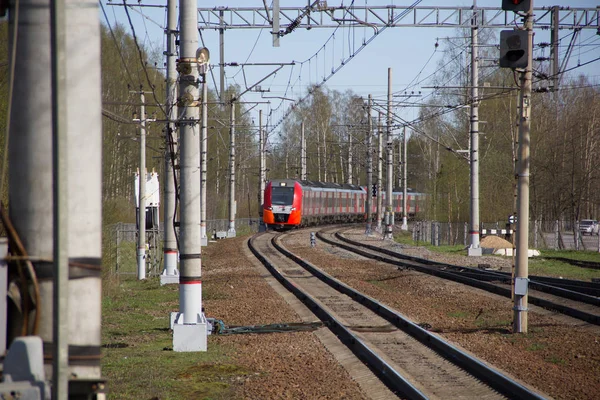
(404, 181)
(141, 246)
(379, 173)
(170, 273)
(55, 179)
(389, 212)
(369, 201)
(261, 145)
(189, 325)
(521, 298)
(204, 158)
(302, 152)
(231, 230)
(474, 247)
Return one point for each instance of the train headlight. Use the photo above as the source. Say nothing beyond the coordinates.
(293, 208)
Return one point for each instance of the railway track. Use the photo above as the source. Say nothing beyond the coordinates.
(568, 297)
(411, 361)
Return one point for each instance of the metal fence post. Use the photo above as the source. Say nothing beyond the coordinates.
(118, 231)
(556, 235)
(431, 233)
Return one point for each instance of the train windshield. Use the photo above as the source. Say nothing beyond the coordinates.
(283, 196)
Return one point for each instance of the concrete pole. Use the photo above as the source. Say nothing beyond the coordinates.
(522, 267)
(141, 250)
(404, 182)
(302, 152)
(369, 201)
(222, 56)
(85, 185)
(389, 212)
(399, 164)
(39, 215)
(60, 300)
(554, 41)
(379, 173)
(204, 162)
(31, 154)
(349, 179)
(474, 246)
(261, 144)
(189, 325)
(231, 230)
(170, 273)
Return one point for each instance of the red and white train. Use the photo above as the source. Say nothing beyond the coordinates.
(291, 203)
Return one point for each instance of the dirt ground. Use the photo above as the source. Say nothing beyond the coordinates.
(558, 356)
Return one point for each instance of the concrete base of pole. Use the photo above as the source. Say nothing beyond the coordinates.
(404, 226)
(168, 279)
(203, 241)
(474, 251)
(170, 273)
(24, 370)
(231, 233)
(189, 337)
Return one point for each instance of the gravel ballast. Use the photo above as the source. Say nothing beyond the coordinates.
(559, 356)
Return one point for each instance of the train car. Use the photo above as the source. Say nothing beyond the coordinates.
(415, 202)
(291, 203)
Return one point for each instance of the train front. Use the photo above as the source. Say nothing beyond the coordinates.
(283, 204)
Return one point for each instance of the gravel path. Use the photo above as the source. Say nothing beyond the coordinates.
(559, 356)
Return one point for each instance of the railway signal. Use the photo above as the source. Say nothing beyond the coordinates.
(514, 49)
(516, 5)
(374, 190)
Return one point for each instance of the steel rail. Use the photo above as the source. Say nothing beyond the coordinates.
(472, 365)
(460, 278)
(388, 375)
(561, 288)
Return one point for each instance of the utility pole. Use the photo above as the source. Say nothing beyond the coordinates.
(189, 324)
(204, 160)
(554, 41)
(141, 251)
(32, 120)
(389, 212)
(474, 247)
(261, 144)
(54, 146)
(302, 153)
(369, 166)
(399, 163)
(349, 179)
(170, 273)
(222, 56)
(522, 267)
(404, 182)
(262, 173)
(379, 173)
(231, 230)
(60, 194)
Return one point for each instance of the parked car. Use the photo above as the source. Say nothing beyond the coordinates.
(588, 226)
